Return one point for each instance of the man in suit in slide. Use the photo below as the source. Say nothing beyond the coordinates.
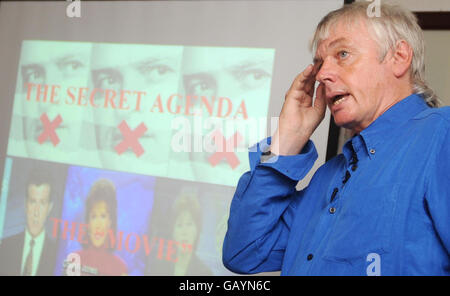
(31, 252)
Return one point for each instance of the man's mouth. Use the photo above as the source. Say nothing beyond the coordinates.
(339, 99)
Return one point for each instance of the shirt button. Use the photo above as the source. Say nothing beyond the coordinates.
(332, 210)
(372, 151)
(309, 257)
(347, 176)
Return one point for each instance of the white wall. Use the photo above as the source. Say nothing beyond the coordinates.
(437, 61)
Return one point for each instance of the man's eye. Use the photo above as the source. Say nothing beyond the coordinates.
(107, 82)
(107, 79)
(71, 67)
(200, 87)
(343, 54)
(33, 74)
(201, 84)
(252, 78)
(256, 75)
(155, 73)
(163, 69)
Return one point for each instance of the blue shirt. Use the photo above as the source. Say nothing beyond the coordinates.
(382, 207)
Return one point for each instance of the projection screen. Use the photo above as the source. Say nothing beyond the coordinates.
(126, 127)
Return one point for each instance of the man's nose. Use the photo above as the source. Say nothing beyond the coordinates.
(132, 79)
(53, 75)
(327, 73)
(123, 99)
(36, 211)
(127, 82)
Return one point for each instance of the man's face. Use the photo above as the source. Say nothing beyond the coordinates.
(354, 77)
(228, 78)
(234, 73)
(62, 66)
(38, 207)
(134, 68)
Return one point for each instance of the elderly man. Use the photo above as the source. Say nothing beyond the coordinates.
(382, 207)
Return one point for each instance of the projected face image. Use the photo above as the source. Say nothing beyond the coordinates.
(236, 82)
(51, 128)
(99, 224)
(126, 131)
(101, 211)
(186, 217)
(38, 207)
(185, 230)
(233, 73)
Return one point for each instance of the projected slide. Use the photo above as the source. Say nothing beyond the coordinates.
(187, 228)
(122, 158)
(87, 221)
(181, 112)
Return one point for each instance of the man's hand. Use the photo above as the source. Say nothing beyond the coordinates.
(299, 117)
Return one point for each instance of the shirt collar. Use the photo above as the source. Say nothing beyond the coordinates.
(366, 142)
(37, 240)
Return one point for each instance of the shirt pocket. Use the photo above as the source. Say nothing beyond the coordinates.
(363, 225)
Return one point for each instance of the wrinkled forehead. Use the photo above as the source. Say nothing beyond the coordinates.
(41, 52)
(116, 55)
(39, 192)
(343, 31)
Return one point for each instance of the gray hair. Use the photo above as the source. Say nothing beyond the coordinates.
(393, 24)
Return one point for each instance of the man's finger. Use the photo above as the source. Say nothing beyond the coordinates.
(304, 80)
(320, 103)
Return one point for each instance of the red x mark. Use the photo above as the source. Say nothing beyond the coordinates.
(222, 152)
(49, 129)
(130, 138)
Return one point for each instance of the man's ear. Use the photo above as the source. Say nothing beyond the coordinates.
(401, 58)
